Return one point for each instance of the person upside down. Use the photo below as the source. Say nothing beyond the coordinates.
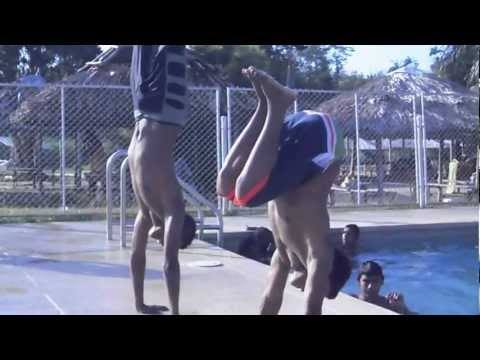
(289, 162)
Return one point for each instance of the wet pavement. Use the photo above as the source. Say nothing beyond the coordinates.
(70, 269)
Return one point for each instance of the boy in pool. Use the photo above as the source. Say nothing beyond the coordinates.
(290, 164)
(370, 280)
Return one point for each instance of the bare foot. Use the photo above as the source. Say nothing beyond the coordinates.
(250, 74)
(298, 280)
(275, 92)
(151, 309)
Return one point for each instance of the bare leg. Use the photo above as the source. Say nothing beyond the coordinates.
(151, 158)
(265, 151)
(240, 151)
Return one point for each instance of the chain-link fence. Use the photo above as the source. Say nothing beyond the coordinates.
(55, 140)
(391, 155)
(451, 146)
(30, 140)
(386, 150)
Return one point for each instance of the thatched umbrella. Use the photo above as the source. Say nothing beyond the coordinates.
(385, 110)
(87, 111)
(43, 109)
(92, 115)
(385, 106)
(91, 108)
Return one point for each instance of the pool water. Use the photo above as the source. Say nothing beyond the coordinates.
(435, 277)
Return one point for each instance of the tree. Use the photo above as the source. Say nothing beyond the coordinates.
(53, 62)
(9, 61)
(347, 82)
(458, 63)
(316, 66)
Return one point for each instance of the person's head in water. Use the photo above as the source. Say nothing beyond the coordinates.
(350, 237)
(370, 280)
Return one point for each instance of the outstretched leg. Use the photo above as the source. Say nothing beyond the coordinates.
(264, 153)
(242, 148)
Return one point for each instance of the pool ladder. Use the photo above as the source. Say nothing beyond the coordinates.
(191, 195)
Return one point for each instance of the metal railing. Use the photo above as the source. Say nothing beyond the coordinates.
(192, 196)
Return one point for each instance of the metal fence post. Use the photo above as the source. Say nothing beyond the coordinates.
(415, 147)
(226, 140)
(219, 141)
(357, 135)
(224, 151)
(424, 152)
(229, 147)
(420, 169)
(62, 149)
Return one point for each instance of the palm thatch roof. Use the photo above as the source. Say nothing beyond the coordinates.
(84, 106)
(99, 107)
(385, 107)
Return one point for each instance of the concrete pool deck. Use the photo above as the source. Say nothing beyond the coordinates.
(69, 268)
(374, 218)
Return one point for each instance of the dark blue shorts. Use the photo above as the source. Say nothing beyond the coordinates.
(309, 143)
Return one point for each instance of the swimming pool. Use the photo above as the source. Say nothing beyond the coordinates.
(435, 268)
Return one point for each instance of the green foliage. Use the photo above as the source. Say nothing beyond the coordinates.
(9, 61)
(458, 63)
(299, 66)
(315, 66)
(53, 62)
(347, 82)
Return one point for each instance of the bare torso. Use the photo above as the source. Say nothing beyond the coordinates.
(300, 223)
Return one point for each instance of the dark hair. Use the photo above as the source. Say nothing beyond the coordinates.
(370, 268)
(189, 231)
(259, 245)
(340, 273)
(354, 228)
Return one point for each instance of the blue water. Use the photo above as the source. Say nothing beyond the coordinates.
(436, 277)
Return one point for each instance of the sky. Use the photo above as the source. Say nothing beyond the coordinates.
(370, 59)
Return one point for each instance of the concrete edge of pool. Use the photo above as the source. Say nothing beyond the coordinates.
(69, 268)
